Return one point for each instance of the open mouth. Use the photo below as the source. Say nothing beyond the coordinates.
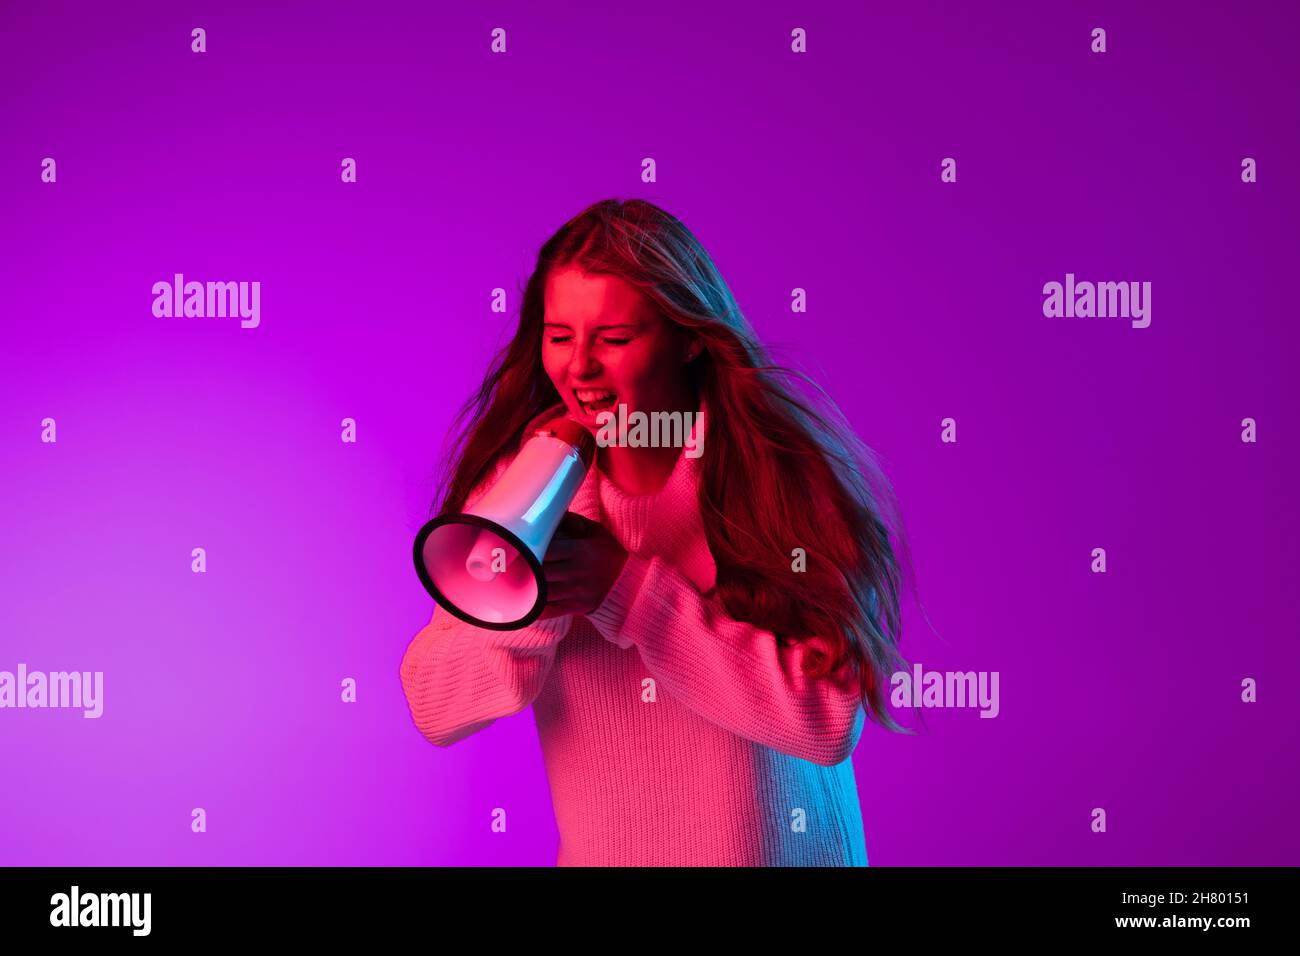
(593, 400)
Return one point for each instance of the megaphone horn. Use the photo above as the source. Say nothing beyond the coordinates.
(484, 565)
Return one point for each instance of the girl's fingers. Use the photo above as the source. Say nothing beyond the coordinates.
(562, 589)
(563, 607)
(566, 591)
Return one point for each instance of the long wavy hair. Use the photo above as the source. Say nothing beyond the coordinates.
(781, 468)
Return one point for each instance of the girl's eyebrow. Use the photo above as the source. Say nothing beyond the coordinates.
(598, 328)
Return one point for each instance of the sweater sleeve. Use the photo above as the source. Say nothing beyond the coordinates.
(730, 672)
(459, 678)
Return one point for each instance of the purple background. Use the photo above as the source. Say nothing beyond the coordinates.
(819, 171)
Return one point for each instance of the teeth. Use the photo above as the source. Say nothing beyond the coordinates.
(587, 395)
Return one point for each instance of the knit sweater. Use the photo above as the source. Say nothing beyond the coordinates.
(672, 734)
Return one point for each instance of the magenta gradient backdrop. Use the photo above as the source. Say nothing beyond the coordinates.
(819, 171)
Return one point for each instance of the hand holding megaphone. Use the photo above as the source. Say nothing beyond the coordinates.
(484, 565)
(582, 564)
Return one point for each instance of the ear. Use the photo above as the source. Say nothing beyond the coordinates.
(694, 349)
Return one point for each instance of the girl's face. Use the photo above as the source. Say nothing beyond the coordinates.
(605, 345)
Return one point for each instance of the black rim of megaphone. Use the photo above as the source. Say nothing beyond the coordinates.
(496, 529)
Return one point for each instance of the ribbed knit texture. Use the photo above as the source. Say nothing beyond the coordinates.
(672, 734)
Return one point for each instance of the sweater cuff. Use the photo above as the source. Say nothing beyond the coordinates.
(610, 618)
(539, 635)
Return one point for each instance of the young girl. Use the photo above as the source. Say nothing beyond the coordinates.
(721, 618)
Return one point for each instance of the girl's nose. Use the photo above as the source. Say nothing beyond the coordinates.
(582, 362)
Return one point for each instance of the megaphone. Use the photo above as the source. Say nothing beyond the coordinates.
(485, 565)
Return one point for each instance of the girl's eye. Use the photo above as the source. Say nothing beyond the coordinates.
(561, 339)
